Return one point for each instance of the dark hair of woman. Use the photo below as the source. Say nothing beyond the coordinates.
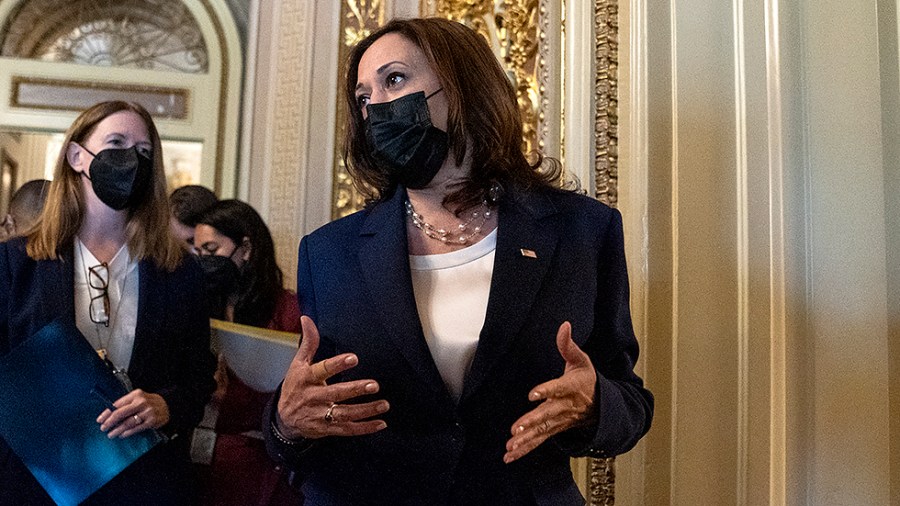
(261, 278)
(483, 116)
(189, 202)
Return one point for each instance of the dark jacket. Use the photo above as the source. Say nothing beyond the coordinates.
(171, 358)
(354, 281)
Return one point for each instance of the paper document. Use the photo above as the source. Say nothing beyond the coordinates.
(53, 387)
(259, 357)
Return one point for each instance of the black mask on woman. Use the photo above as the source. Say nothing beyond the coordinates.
(402, 138)
(120, 177)
(220, 280)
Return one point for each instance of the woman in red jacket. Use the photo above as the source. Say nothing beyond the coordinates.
(236, 249)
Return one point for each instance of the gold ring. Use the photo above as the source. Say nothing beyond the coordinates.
(329, 415)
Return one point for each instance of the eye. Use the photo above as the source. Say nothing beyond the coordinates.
(362, 101)
(393, 79)
(145, 151)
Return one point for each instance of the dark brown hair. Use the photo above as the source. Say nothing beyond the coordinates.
(147, 229)
(483, 115)
(188, 203)
(261, 279)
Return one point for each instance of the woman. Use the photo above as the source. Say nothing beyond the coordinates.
(233, 230)
(469, 331)
(102, 256)
(232, 237)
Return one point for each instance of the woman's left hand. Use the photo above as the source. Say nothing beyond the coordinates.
(136, 411)
(568, 401)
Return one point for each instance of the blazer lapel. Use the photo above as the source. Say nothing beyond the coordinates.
(149, 315)
(525, 249)
(384, 262)
(58, 288)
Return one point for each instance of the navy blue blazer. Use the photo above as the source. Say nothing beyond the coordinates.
(171, 357)
(354, 281)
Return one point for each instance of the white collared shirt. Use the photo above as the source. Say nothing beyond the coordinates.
(451, 291)
(123, 283)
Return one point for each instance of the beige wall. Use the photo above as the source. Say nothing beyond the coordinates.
(772, 231)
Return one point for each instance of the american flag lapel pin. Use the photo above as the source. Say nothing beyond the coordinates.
(528, 253)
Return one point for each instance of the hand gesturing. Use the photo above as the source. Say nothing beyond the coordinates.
(568, 401)
(311, 408)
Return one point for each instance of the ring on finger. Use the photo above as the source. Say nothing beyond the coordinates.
(329, 414)
(138, 419)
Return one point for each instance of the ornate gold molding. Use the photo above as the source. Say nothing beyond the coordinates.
(511, 28)
(358, 19)
(606, 89)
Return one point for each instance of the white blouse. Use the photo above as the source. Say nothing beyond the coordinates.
(451, 291)
(122, 287)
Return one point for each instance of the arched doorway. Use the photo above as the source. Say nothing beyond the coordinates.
(181, 59)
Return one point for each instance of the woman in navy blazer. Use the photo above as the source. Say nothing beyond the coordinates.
(469, 331)
(107, 216)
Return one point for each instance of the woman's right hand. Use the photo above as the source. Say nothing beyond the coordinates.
(310, 408)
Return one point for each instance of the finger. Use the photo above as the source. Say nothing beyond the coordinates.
(570, 351)
(349, 413)
(545, 411)
(325, 369)
(309, 340)
(115, 420)
(522, 448)
(556, 388)
(127, 405)
(128, 398)
(142, 422)
(530, 438)
(357, 428)
(128, 427)
(340, 392)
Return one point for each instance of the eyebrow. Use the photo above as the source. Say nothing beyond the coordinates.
(381, 70)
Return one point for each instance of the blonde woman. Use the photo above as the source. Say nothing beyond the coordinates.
(102, 256)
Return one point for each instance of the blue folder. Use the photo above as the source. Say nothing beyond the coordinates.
(52, 388)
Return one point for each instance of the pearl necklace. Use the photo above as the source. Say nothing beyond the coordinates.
(481, 215)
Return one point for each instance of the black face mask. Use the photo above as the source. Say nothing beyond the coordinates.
(220, 280)
(120, 177)
(402, 138)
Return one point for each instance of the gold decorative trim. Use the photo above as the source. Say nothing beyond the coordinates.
(543, 75)
(602, 483)
(358, 19)
(17, 81)
(606, 89)
(511, 28)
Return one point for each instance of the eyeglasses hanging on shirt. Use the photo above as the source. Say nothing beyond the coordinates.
(98, 279)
